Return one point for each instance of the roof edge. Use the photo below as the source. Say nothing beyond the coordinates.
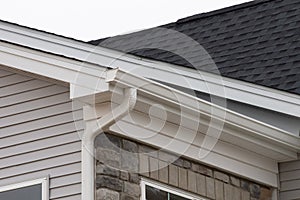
(222, 10)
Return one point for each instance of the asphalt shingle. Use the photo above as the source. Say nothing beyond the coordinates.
(257, 42)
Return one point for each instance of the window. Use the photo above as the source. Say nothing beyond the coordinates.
(157, 191)
(31, 190)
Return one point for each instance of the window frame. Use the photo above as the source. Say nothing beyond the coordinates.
(166, 188)
(43, 181)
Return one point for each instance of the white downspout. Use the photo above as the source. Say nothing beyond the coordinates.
(90, 133)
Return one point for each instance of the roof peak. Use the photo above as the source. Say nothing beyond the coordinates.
(222, 11)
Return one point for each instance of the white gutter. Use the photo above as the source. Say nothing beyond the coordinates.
(92, 130)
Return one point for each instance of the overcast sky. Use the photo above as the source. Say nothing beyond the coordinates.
(94, 19)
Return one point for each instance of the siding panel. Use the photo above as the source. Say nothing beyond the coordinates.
(290, 180)
(13, 79)
(65, 191)
(38, 124)
(39, 135)
(22, 87)
(4, 73)
(32, 95)
(53, 131)
(35, 104)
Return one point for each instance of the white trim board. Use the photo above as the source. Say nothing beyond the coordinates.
(166, 188)
(43, 181)
(233, 89)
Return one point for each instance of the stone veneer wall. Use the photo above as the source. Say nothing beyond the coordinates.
(120, 161)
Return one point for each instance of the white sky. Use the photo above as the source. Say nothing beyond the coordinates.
(94, 19)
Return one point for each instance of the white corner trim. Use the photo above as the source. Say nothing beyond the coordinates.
(241, 91)
(43, 181)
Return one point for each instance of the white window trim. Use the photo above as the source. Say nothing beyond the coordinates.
(43, 181)
(166, 188)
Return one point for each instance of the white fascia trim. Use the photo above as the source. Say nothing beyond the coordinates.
(236, 90)
(89, 77)
(43, 181)
(233, 119)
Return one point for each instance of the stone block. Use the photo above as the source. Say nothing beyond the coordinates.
(265, 194)
(254, 190)
(132, 189)
(221, 176)
(173, 175)
(109, 182)
(108, 157)
(201, 169)
(130, 146)
(187, 164)
(178, 162)
(106, 194)
(124, 175)
(125, 196)
(235, 181)
(181, 162)
(129, 161)
(210, 188)
(245, 185)
(134, 178)
(106, 170)
(108, 141)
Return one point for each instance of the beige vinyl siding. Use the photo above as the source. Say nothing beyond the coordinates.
(39, 135)
(290, 180)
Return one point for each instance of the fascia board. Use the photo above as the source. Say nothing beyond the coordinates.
(86, 78)
(233, 119)
(233, 89)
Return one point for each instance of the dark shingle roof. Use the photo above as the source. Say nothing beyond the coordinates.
(257, 42)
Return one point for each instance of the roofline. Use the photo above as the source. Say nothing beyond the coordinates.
(222, 10)
(241, 91)
(89, 79)
(39, 30)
